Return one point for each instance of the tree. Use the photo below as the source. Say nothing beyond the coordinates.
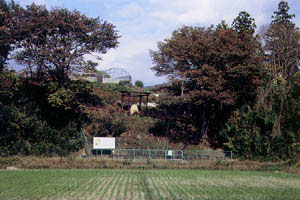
(282, 42)
(5, 39)
(219, 67)
(194, 52)
(243, 23)
(169, 60)
(270, 129)
(281, 16)
(57, 40)
(139, 83)
(282, 45)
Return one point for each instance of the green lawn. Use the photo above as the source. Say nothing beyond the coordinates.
(147, 184)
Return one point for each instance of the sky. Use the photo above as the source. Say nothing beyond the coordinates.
(143, 23)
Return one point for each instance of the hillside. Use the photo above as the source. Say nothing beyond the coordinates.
(131, 131)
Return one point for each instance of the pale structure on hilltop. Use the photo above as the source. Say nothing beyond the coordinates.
(112, 75)
(116, 74)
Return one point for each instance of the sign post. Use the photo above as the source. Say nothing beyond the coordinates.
(104, 143)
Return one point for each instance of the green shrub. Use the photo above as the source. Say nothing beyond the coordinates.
(29, 135)
(139, 83)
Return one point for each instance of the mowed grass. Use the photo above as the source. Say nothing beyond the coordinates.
(147, 184)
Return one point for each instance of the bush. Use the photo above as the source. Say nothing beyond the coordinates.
(110, 127)
(251, 136)
(139, 83)
(42, 117)
(28, 135)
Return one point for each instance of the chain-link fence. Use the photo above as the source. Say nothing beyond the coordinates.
(149, 154)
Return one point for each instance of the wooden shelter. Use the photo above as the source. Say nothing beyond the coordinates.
(131, 96)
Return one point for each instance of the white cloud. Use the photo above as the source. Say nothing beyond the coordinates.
(206, 12)
(130, 10)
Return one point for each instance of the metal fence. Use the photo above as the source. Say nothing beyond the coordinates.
(149, 154)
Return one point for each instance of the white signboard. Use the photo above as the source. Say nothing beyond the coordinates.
(170, 152)
(104, 143)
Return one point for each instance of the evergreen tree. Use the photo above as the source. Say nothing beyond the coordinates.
(282, 41)
(282, 16)
(243, 23)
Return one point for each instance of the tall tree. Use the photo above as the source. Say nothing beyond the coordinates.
(58, 40)
(282, 16)
(282, 45)
(282, 48)
(283, 42)
(169, 60)
(243, 23)
(4, 33)
(220, 70)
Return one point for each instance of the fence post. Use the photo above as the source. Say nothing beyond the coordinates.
(196, 155)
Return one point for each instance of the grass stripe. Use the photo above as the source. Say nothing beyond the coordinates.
(139, 185)
(174, 183)
(156, 188)
(107, 187)
(169, 189)
(163, 187)
(121, 185)
(98, 181)
(126, 187)
(86, 187)
(117, 186)
(103, 189)
(133, 185)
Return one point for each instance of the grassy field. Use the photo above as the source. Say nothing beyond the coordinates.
(147, 184)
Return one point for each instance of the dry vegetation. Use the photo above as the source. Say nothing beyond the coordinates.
(76, 162)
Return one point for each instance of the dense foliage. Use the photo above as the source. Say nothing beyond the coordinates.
(42, 118)
(139, 83)
(218, 69)
(42, 110)
(232, 88)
